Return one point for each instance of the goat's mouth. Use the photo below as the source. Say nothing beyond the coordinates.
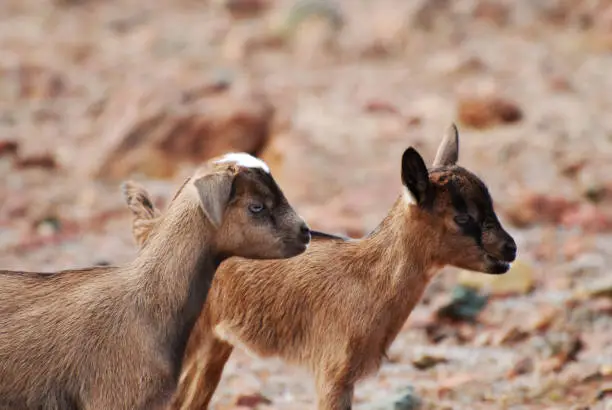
(294, 248)
(496, 266)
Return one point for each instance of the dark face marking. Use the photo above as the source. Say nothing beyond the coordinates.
(471, 227)
(264, 194)
(465, 203)
(263, 186)
(274, 228)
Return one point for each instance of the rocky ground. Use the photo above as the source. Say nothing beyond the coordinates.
(94, 92)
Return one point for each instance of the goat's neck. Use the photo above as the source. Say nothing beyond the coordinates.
(173, 272)
(400, 257)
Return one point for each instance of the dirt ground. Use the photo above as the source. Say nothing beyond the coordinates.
(351, 85)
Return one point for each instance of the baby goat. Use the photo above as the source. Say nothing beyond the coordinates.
(337, 308)
(114, 337)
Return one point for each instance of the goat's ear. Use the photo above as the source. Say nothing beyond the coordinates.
(215, 191)
(415, 176)
(448, 151)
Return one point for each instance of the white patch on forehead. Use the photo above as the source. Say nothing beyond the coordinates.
(244, 160)
(409, 198)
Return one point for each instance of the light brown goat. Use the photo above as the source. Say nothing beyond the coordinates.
(337, 308)
(114, 337)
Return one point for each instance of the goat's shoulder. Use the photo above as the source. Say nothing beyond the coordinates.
(304, 280)
(323, 253)
(304, 288)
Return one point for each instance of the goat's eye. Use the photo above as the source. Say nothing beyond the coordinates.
(256, 207)
(462, 219)
(488, 225)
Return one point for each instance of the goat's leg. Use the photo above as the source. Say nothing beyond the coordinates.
(202, 375)
(334, 390)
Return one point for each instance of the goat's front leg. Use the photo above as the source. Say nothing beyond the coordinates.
(202, 375)
(334, 390)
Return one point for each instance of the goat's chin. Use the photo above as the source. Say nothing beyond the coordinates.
(294, 249)
(496, 266)
(488, 265)
(288, 250)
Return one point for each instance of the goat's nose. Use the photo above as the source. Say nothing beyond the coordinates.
(305, 232)
(509, 250)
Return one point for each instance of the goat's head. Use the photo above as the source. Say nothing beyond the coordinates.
(457, 207)
(249, 212)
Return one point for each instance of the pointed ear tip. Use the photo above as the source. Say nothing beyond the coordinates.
(411, 154)
(410, 151)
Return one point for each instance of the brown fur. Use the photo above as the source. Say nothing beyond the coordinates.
(337, 308)
(114, 337)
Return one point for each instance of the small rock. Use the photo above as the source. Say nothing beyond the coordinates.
(380, 106)
(8, 147)
(252, 400)
(598, 192)
(436, 332)
(470, 65)
(536, 208)
(519, 279)
(572, 167)
(425, 361)
(601, 287)
(219, 83)
(240, 9)
(48, 226)
(560, 83)
(45, 161)
(485, 112)
(523, 366)
(405, 399)
(305, 10)
(494, 12)
(509, 335)
(414, 121)
(465, 305)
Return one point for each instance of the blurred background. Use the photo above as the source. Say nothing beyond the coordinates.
(94, 92)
